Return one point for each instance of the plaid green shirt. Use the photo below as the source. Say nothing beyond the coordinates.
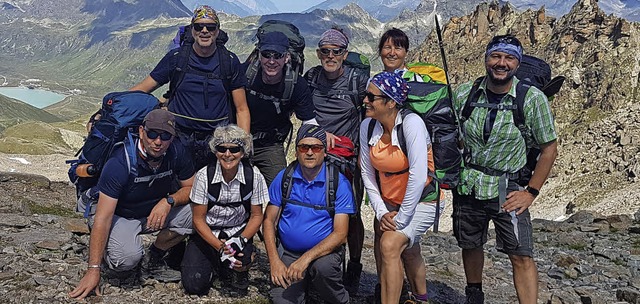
(505, 150)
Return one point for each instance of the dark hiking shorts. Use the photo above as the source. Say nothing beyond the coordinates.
(514, 234)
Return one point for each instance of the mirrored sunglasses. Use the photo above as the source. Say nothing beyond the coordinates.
(271, 54)
(303, 148)
(336, 52)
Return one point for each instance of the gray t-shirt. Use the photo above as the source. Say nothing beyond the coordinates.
(336, 109)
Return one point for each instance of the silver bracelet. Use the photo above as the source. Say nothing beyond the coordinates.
(93, 266)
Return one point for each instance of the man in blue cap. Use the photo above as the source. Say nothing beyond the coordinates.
(270, 110)
(496, 183)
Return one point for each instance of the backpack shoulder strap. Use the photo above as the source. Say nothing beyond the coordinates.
(226, 72)
(312, 77)
(473, 96)
(521, 92)
(290, 79)
(182, 62)
(287, 180)
(214, 189)
(331, 188)
(400, 132)
(246, 189)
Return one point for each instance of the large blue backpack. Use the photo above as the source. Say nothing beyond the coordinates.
(120, 116)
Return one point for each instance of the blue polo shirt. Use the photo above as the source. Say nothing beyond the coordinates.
(203, 99)
(138, 195)
(301, 228)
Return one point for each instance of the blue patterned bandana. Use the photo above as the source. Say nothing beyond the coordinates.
(392, 85)
(309, 130)
(506, 44)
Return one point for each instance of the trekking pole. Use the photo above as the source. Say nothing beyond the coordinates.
(446, 73)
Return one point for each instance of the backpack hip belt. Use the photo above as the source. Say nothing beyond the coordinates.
(493, 172)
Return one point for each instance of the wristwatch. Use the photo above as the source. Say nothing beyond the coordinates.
(170, 200)
(532, 190)
(243, 241)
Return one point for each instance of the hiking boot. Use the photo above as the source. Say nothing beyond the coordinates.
(239, 283)
(157, 268)
(122, 279)
(474, 295)
(351, 278)
(377, 294)
(313, 297)
(412, 300)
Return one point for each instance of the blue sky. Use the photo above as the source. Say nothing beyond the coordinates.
(295, 5)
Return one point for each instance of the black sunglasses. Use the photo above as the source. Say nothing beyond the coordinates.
(506, 39)
(336, 52)
(200, 26)
(371, 97)
(223, 149)
(303, 148)
(153, 134)
(271, 54)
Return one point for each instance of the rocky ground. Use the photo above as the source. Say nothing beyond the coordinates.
(589, 258)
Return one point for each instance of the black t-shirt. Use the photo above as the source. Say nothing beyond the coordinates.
(264, 114)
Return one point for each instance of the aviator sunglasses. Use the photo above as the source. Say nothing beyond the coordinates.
(371, 97)
(223, 149)
(336, 52)
(200, 26)
(271, 54)
(303, 148)
(153, 134)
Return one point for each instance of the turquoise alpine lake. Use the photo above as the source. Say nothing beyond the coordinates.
(35, 97)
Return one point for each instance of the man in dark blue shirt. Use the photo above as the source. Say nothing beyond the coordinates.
(130, 205)
(200, 98)
(270, 110)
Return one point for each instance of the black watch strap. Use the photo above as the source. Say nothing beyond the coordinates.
(170, 200)
(532, 190)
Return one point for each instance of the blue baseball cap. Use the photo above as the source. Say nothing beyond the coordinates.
(274, 41)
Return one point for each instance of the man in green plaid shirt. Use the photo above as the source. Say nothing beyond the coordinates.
(493, 185)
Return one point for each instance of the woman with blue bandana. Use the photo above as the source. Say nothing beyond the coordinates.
(394, 182)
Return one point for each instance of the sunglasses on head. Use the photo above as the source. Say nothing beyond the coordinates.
(271, 54)
(507, 40)
(304, 148)
(336, 52)
(153, 134)
(200, 26)
(371, 97)
(223, 149)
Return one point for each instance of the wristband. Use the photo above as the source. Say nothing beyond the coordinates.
(93, 266)
(532, 190)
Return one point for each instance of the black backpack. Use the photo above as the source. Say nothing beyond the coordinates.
(331, 187)
(120, 116)
(246, 189)
(535, 72)
(293, 68)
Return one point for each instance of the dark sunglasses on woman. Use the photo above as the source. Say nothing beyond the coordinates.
(371, 97)
(223, 149)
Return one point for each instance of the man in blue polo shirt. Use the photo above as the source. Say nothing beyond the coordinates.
(200, 98)
(311, 247)
(128, 205)
(270, 111)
